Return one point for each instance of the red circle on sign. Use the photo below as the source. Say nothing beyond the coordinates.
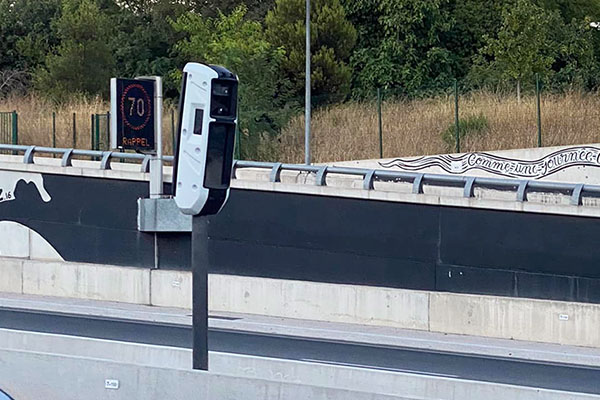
(136, 127)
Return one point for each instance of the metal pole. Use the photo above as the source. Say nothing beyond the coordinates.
(74, 130)
(92, 135)
(307, 106)
(173, 130)
(97, 133)
(200, 292)
(456, 116)
(107, 147)
(238, 143)
(380, 123)
(156, 163)
(159, 117)
(539, 109)
(53, 130)
(15, 129)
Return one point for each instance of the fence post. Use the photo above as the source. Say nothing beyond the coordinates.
(238, 138)
(456, 116)
(92, 133)
(74, 130)
(15, 129)
(380, 122)
(173, 131)
(53, 130)
(539, 109)
(15, 136)
(107, 131)
(97, 133)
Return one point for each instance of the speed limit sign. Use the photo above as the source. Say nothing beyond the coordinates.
(132, 104)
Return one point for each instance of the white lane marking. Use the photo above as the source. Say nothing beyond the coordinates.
(404, 341)
(409, 371)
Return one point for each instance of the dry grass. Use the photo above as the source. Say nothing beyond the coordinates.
(350, 131)
(36, 127)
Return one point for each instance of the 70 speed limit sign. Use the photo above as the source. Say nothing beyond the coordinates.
(132, 104)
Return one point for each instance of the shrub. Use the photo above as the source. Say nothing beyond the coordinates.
(471, 125)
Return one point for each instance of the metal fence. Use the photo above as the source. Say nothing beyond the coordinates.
(9, 127)
(100, 129)
(369, 176)
(71, 129)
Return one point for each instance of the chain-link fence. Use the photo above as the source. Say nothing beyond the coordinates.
(458, 119)
(9, 127)
(389, 124)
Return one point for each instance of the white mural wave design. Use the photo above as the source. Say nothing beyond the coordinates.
(510, 167)
(10, 179)
(20, 241)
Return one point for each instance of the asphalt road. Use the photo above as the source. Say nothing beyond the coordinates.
(455, 365)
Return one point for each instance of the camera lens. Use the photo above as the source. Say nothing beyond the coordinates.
(220, 89)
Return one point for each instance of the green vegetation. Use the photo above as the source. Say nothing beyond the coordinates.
(469, 126)
(411, 48)
(332, 41)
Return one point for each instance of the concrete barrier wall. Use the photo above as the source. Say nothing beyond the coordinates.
(435, 241)
(47, 376)
(155, 372)
(499, 317)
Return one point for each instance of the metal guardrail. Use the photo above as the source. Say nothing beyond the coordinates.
(368, 176)
(418, 180)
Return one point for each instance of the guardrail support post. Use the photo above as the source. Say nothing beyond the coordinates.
(276, 173)
(522, 191)
(576, 196)
(418, 184)
(105, 163)
(321, 179)
(66, 158)
(469, 187)
(368, 181)
(146, 164)
(28, 158)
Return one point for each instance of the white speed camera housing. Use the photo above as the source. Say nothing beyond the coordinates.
(207, 124)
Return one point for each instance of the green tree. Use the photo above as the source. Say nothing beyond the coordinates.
(573, 9)
(25, 39)
(332, 39)
(83, 62)
(144, 37)
(575, 65)
(241, 46)
(256, 9)
(401, 45)
(471, 20)
(524, 45)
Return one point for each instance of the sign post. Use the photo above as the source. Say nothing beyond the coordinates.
(202, 174)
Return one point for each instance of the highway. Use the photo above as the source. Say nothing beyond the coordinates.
(455, 365)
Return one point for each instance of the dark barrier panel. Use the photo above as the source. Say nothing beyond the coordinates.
(328, 239)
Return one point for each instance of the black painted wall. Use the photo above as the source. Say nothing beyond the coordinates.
(326, 239)
(413, 246)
